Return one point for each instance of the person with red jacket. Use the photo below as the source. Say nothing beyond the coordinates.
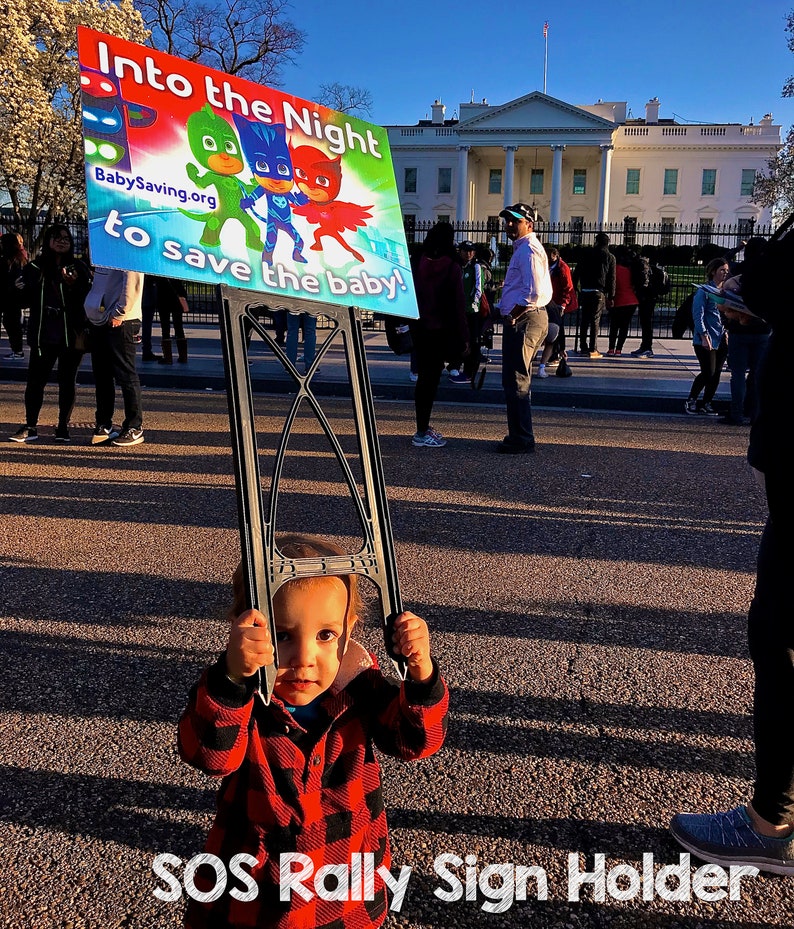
(301, 782)
(563, 294)
(625, 301)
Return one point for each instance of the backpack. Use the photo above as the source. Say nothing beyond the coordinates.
(660, 284)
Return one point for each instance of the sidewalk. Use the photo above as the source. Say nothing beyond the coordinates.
(648, 385)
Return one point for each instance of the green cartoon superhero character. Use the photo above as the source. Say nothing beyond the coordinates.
(215, 147)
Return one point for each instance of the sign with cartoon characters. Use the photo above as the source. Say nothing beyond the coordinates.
(196, 174)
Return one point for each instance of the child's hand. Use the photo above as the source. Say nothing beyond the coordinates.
(412, 640)
(249, 646)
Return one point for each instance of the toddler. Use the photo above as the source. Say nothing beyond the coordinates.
(300, 775)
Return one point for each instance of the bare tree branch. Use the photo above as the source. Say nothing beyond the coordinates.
(346, 98)
(253, 39)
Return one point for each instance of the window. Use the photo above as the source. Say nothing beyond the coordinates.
(409, 184)
(443, 218)
(748, 182)
(536, 181)
(409, 222)
(580, 180)
(444, 180)
(705, 227)
(708, 186)
(670, 181)
(577, 224)
(667, 231)
(632, 180)
(493, 225)
(495, 181)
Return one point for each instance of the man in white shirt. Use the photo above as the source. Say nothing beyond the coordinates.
(114, 308)
(522, 306)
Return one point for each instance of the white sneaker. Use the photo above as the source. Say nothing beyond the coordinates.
(542, 371)
(454, 372)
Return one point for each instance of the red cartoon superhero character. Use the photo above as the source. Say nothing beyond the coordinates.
(320, 179)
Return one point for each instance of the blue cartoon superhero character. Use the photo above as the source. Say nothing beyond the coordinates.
(268, 156)
(215, 147)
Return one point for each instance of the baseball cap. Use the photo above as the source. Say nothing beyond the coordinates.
(520, 211)
(467, 244)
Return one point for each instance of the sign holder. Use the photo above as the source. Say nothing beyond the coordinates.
(265, 568)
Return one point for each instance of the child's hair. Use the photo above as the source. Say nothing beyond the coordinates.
(301, 545)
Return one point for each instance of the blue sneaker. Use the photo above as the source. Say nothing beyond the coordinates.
(429, 439)
(729, 839)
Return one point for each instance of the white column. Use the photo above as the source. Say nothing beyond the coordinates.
(603, 190)
(510, 171)
(556, 184)
(462, 207)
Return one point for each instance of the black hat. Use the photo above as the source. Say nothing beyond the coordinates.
(467, 244)
(520, 211)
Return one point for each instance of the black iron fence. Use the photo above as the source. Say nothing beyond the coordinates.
(682, 249)
(667, 243)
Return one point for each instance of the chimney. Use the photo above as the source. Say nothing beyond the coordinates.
(438, 113)
(652, 112)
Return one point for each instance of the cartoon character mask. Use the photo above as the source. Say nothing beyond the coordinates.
(213, 142)
(266, 151)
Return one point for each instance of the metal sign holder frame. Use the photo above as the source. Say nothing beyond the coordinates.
(265, 568)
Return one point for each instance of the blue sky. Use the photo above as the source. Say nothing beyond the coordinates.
(707, 62)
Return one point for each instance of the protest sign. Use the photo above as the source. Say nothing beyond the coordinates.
(196, 174)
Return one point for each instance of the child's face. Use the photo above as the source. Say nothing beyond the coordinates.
(312, 637)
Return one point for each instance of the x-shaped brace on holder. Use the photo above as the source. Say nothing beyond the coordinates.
(265, 568)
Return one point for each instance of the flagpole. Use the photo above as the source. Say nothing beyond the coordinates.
(546, 53)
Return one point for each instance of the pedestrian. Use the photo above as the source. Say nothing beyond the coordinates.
(171, 305)
(563, 293)
(709, 340)
(306, 323)
(280, 326)
(761, 833)
(628, 283)
(300, 774)
(594, 277)
(54, 286)
(658, 286)
(522, 308)
(473, 289)
(748, 338)
(114, 309)
(441, 332)
(13, 258)
(554, 313)
(148, 311)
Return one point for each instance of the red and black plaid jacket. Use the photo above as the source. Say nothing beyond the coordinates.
(286, 792)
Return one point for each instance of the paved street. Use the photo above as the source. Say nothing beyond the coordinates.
(587, 605)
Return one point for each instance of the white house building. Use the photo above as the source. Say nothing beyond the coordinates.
(580, 164)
